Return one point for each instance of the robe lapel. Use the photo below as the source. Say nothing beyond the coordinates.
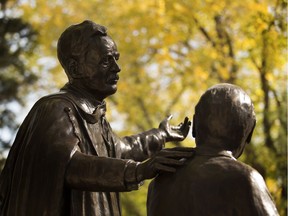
(91, 112)
(95, 136)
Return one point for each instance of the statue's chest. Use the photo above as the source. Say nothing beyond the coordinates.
(99, 140)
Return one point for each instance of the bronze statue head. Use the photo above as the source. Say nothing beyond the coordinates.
(224, 118)
(89, 57)
(73, 44)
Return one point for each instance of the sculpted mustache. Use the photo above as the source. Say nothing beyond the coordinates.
(113, 77)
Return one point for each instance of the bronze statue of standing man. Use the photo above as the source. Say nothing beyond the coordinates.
(66, 160)
(213, 182)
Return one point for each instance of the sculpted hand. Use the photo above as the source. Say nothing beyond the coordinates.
(166, 160)
(175, 133)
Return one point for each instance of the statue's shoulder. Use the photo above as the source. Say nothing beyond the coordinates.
(238, 171)
(55, 102)
(61, 95)
(58, 97)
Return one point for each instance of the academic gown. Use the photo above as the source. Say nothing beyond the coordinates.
(63, 160)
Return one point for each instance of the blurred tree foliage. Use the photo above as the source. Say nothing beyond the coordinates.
(17, 40)
(171, 52)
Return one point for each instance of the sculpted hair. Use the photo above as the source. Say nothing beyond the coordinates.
(73, 43)
(224, 114)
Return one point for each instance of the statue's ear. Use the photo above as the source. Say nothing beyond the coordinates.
(73, 68)
(251, 133)
(193, 127)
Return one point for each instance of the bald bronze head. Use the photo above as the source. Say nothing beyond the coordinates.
(224, 118)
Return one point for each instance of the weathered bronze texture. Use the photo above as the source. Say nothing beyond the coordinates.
(213, 182)
(66, 160)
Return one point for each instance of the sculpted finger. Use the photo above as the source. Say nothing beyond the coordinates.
(175, 128)
(186, 121)
(170, 161)
(169, 117)
(186, 126)
(163, 168)
(182, 149)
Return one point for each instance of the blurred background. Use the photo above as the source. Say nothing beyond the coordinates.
(171, 52)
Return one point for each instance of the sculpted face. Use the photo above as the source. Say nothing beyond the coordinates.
(100, 67)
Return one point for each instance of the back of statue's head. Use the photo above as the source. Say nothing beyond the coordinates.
(224, 115)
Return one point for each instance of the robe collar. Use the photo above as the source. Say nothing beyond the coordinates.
(209, 151)
(91, 109)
